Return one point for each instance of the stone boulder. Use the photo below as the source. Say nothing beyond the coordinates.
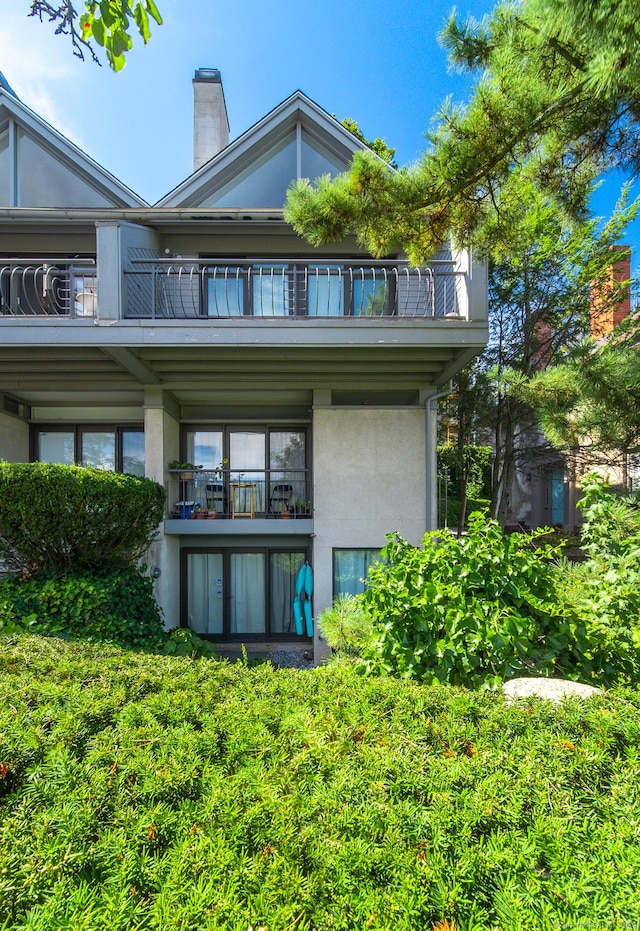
(552, 689)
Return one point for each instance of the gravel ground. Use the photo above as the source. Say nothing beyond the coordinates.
(293, 659)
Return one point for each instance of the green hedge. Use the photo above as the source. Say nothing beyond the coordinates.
(452, 511)
(117, 606)
(146, 792)
(56, 517)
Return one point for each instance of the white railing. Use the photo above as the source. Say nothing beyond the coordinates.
(291, 288)
(48, 289)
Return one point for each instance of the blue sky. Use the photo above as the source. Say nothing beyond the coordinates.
(376, 62)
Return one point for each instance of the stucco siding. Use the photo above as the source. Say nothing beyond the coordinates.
(14, 439)
(369, 480)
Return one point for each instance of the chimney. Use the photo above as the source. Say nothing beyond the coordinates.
(210, 121)
(611, 297)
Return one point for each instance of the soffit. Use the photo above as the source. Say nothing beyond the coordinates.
(197, 375)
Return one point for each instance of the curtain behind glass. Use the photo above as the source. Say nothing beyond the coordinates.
(284, 568)
(205, 593)
(351, 568)
(248, 606)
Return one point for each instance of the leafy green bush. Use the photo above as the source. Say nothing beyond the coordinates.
(56, 517)
(345, 625)
(611, 522)
(470, 611)
(604, 592)
(152, 792)
(117, 606)
(450, 512)
(183, 642)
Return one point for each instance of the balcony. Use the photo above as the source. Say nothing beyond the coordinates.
(43, 288)
(207, 502)
(270, 288)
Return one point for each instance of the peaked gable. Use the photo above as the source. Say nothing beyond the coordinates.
(298, 139)
(39, 167)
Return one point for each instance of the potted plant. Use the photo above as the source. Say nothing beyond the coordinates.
(185, 470)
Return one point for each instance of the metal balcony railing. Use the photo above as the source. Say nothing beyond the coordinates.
(290, 288)
(234, 494)
(45, 288)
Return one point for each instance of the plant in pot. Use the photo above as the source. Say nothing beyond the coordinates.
(184, 470)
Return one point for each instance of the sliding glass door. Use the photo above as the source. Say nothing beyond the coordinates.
(233, 594)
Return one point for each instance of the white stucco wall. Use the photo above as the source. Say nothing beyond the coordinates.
(369, 480)
(14, 439)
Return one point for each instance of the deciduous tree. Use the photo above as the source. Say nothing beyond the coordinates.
(106, 22)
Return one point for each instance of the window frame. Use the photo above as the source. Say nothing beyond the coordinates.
(78, 429)
(267, 429)
(349, 549)
(227, 551)
(297, 275)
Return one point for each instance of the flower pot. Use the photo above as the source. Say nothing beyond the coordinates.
(200, 515)
(211, 515)
(285, 515)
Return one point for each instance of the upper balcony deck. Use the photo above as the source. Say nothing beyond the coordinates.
(257, 289)
(133, 319)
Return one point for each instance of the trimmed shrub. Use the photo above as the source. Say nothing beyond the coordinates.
(117, 606)
(56, 517)
(146, 792)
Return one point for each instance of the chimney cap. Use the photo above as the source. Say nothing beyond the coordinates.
(208, 74)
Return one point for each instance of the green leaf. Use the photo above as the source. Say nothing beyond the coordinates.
(142, 21)
(98, 31)
(152, 9)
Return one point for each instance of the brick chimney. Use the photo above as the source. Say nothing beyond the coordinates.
(611, 297)
(210, 121)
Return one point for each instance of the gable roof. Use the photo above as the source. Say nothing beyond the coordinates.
(89, 180)
(272, 147)
(5, 84)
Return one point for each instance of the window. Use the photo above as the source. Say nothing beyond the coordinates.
(259, 458)
(350, 570)
(372, 293)
(226, 286)
(282, 289)
(115, 449)
(325, 291)
(248, 593)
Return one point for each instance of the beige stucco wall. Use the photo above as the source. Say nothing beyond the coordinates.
(369, 480)
(14, 439)
(161, 443)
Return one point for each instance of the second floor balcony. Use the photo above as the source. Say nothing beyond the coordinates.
(271, 288)
(233, 494)
(48, 288)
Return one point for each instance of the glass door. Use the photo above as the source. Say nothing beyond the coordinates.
(247, 452)
(205, 593)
